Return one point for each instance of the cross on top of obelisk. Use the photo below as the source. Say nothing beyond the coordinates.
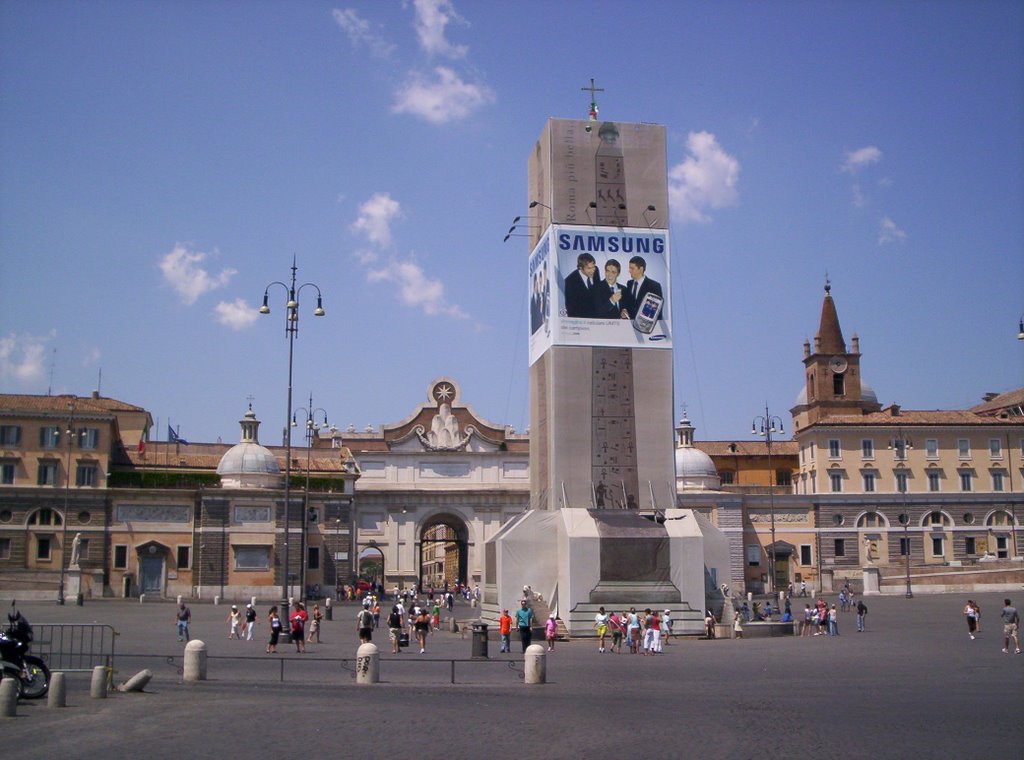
(593, 99)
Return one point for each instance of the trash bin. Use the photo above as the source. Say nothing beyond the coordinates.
(479, 640)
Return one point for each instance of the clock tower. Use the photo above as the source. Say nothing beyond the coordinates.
(832, 379)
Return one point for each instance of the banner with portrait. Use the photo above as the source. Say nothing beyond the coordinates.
(600, 286)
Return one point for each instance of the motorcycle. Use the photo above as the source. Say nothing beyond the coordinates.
(31, 672)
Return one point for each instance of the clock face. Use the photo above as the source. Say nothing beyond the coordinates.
(837, 365)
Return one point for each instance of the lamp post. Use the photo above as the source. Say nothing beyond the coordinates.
(765, 425)
(70, 433)
(291, 330)
(899, 448)
(310, 416)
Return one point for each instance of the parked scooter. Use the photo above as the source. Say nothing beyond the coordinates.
(32, 674)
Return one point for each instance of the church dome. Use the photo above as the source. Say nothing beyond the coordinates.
(247, 464)
(694, 469)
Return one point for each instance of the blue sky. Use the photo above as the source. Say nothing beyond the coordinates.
(163, 162)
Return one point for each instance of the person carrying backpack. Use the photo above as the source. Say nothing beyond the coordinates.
(364, 624)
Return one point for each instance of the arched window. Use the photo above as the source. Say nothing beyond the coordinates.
(871, 520)
(936, 518)
(999, 519)
(45, 517)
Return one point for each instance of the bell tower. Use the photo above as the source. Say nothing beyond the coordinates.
(832, 378)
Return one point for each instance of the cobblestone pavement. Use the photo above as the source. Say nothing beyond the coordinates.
(912, 684)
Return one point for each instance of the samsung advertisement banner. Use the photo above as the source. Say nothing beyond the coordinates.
(599, 286)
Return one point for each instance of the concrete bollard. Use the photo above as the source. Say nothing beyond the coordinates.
(142, 598)
(367, 664)
(535, 664)
(8, 698)
(137, 682)
(57, 696)
(195, 661)
(216, 599)
(98, 687)
(178, 600)
(328, 609)
(252, 601)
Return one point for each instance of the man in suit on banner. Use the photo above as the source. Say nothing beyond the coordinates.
(639, 286)
(579, 288)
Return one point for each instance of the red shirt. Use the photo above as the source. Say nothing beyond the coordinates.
(505, 624)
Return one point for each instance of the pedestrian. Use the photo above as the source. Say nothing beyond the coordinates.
(633, 631)
(805, 623)
(505, 629)
(395, 629)
(737, 625)
(250, 621)
(862, 611)
(275, 629)
(655, 633)
(1011, 627)
(235, 620)
(972, 618)
(551, 630)
(422, 627)
(977, 616)
(524, 622)
(648, 636)
(709, 624)
(298, 627)
(436, 615)
(617, 624)
(601, 626)
(666, 626)
(745, 610)
(183, 616)
(803, 588)
(833, 621)
(376, 613)
(364, 626)
(314, 626)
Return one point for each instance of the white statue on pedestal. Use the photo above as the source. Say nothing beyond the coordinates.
(76, 548)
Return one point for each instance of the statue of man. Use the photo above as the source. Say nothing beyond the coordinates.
(76, 548)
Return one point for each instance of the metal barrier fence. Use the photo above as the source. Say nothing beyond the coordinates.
(345, 663)
(74, 647)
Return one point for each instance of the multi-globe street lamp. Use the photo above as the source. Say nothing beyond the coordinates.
(767, 425)
(291, 328)
(900, 446)
(70, 434)
(310, 416)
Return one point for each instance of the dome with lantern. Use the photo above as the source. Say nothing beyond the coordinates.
(695, 471)
(247, 464)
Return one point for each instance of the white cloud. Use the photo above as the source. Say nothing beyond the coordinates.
(375, 217)
(237, 314)
(889, 233)
(858, 159)
(432, 16)
(182, 271)
(23, 357)
(707, 179)
(366, 256)
(416, 289)
(359, 33)
(445, 99)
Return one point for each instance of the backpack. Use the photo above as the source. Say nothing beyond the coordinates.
(365, 619)
(394, 620)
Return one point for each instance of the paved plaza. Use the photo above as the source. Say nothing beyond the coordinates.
(914, 684)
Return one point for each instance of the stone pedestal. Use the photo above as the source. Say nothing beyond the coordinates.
(871, 581)
(73, 579)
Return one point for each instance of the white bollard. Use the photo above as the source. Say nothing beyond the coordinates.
(8, 698)
(142, 598)
(535, 664)
(137, 682)
(195, 661)
(58, 695)
(179, 599)
(252, 601)
(216, 599)
(98, 687)
(367, 664)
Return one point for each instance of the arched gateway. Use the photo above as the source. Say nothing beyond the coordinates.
(434, 487)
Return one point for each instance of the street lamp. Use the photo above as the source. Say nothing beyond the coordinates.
(70, 433)
(291, 330)
(1020, 328)
(765, 425)
(899, 448)
(310, 416)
